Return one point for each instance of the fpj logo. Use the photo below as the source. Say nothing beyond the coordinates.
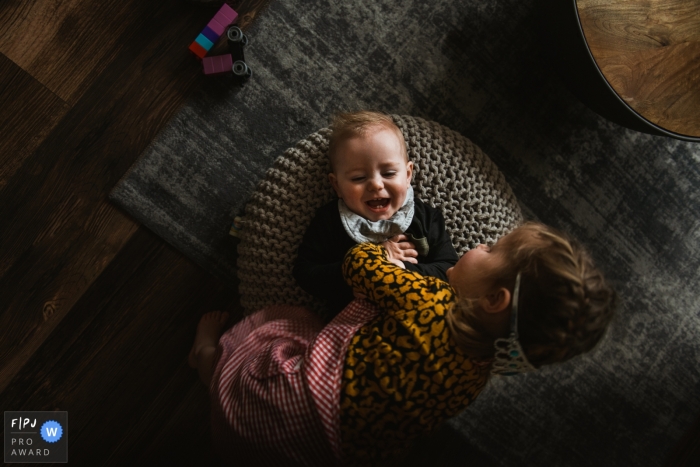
(33, 436)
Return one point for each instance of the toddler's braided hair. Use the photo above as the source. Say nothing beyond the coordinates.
(565, 304)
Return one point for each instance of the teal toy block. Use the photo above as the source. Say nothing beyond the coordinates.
(204, 42)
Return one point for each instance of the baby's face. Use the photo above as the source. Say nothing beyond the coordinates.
(371, 174)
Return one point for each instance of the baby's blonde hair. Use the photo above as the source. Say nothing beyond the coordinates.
(565, 304)
(345, 125)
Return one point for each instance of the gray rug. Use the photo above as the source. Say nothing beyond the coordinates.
(475, 67)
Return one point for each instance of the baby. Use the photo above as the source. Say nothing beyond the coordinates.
(371, 174)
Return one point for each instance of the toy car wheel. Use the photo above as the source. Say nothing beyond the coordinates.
(241, 70)
(235, 34)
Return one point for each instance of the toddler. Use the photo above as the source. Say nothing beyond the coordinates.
(416, 351)
(371, 174)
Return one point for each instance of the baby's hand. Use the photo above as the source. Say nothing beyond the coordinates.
(400, 250)
(398, 262)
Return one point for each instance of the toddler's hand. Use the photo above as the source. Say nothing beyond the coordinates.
(398, 248)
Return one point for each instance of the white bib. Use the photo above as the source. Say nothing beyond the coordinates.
(364, 230)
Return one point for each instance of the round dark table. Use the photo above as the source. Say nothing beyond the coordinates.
(635, 62)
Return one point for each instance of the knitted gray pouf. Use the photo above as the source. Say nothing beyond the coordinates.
(450, 173)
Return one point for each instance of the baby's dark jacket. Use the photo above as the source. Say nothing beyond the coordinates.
(318, 267)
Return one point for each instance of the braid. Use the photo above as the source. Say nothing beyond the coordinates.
(566, 305)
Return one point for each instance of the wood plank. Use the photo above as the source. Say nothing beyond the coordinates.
(175, 426)
(120, 355)
(248, 11)
(186, 437)
(649, 52)
(182, 434)
(97, 315)
(50, 276)
(61, 45)
(64, 47)
(58, 230)
(28, 112)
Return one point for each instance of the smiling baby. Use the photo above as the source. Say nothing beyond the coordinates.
(371, 174)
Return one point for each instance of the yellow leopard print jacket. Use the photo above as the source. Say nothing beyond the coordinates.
(403, 372)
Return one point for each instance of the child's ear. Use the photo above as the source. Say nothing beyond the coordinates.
(409, 174)
(334, 183)
(496, 302)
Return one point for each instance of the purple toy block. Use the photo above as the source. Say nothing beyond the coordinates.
(226, 15)
(217, 64)
(209, 34)
(217, 27)
(209, 65)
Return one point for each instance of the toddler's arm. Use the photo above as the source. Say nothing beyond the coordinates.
(369, 273)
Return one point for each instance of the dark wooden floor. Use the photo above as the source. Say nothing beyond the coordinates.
(97, 314)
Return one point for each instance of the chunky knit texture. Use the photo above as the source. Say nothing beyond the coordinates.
(451, 173)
